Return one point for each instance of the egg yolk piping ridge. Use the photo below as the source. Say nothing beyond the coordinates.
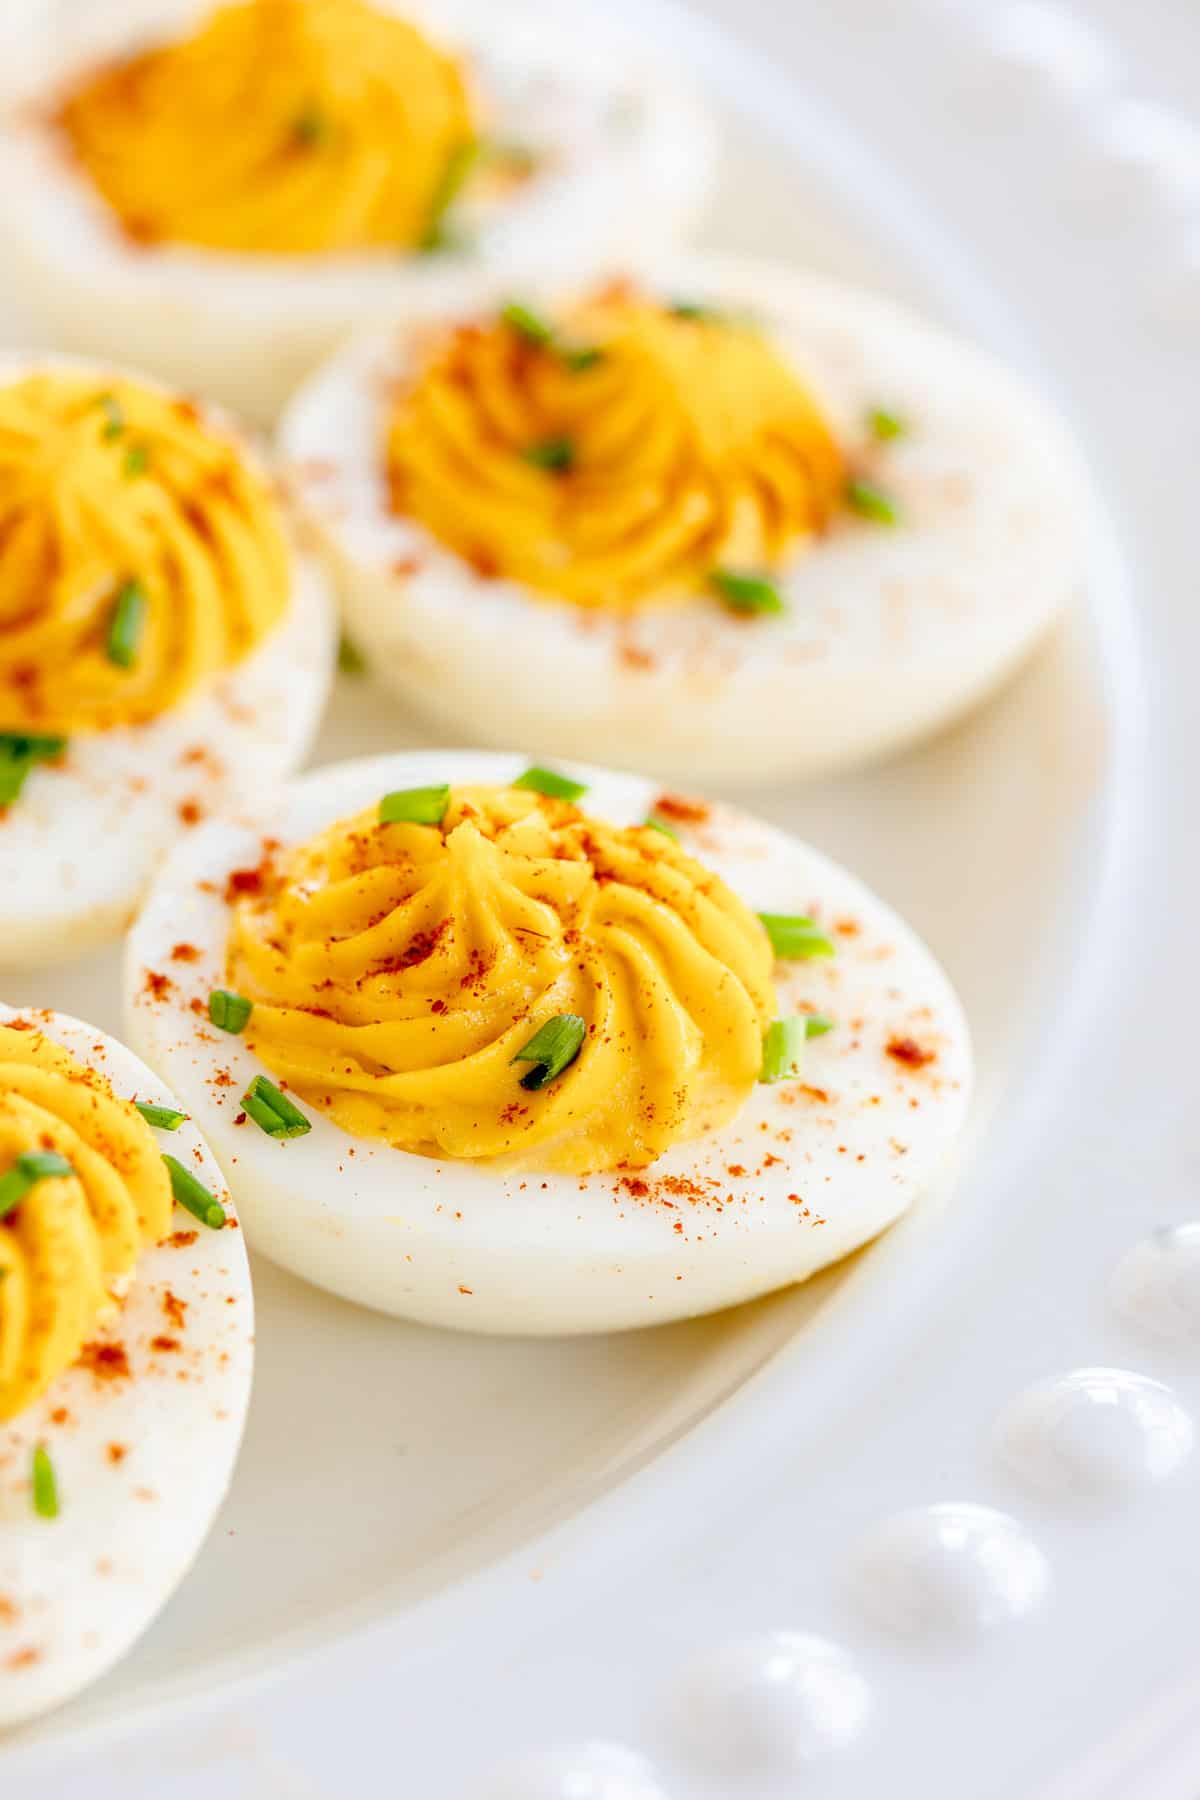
(617, 461)
(398, 972)
(140, 554)
(70, 1244)
(285, 127)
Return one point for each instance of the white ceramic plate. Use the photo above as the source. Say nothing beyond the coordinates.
(454, 1568)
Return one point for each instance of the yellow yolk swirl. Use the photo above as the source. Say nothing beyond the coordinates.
(70, 1242)
(104, 484)
(689, 445)
(286, 126)
(396, 970)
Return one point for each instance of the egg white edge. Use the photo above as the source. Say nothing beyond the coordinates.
(889, 632)
(450, 1243)
(78, 1590)
(80, 844)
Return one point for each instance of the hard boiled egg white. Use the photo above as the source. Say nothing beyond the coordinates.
(80, 844)
(809, 1170)
(142, 1434)
(622, 162)
(889, 630)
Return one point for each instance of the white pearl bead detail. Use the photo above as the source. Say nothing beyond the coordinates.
(1095, 1434)
(950, 1571)
(770, 1704)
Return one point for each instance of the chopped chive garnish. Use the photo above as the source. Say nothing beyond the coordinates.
(746, 593)
(127, 623)
(163, 1118)
(45, 1484)
(817, 1024)
(41, 1165)
(698, 310)
(30, 1168)
(555, 455)
(653, 824)
(885, 425)
(309, 126)
(794, 937)
(351, 660)
(272, 1111)
(415, 806)
(550, 783)
(137, 461)
(783, 1047)
(552, 1048)
(526, 323)
(193, 1196)
(18, 754)
(229, 1011)
(870, 502)
(114, 418)
(460, 162)
(584, 356)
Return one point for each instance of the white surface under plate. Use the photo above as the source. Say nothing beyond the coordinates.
(926, 1526)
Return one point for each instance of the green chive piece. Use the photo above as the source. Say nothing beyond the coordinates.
(415, 806)
(114, 418)
(817, 1024)
(43, 1165)
(583, 357)
(552, 1048)
(351, 660)
(697, 310)
(870, 502)
(454, 176)
(45, 1484)
(309, 126)
(193, 1196)
(550, 783)
(127, 624)
(18, 754)
(555, 455)
(229, 1011)
(746, 593)
(30, 1168)
(783, 1047)
(272, 1111)
(13, 1188)
(137, 461)
(163, 1118)
(653, 824)
(885, 425)
(527, 324)
(794, 937)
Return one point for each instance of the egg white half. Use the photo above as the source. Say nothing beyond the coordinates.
(629, 165)
(889, 632)
(808, 1171)
(142, 1435)
(80, 844)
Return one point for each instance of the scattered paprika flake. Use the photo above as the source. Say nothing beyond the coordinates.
(906, 1050)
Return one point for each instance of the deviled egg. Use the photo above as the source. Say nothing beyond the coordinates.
(164, 647)
(729, 522)
(523, 1050)
(233, 188)
(126, 1348)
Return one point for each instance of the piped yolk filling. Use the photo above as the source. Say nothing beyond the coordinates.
(621, 460)
(397, 970)
(73, 1239)
(287, 126)
(139, 555)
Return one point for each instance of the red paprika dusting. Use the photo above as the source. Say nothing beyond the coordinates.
(907, 1051)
